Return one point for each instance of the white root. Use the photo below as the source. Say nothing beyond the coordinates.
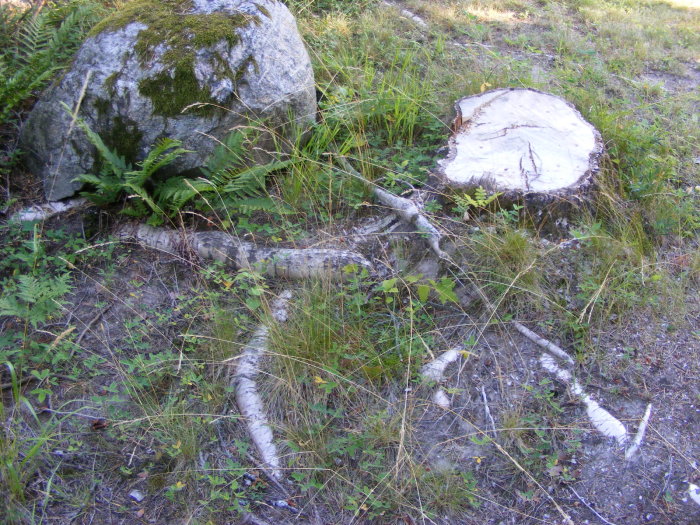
(435, 369)
(410, 212)
(247, 396)
(694, 492)
(408, 14)
(544, 343)
(406, 209)
(639, 436)
(441, 399)
(41, 212)
(272, 262)
(602, 420)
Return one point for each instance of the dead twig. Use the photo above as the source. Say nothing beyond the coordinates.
(90, 324)
(583, 500)
(487, 410)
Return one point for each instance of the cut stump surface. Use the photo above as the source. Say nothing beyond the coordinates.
(521, 142)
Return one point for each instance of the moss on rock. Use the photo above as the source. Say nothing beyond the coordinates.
(125, 138)
(171, 23)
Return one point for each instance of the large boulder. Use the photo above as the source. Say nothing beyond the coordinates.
(141, 73)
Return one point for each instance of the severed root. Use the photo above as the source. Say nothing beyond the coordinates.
(602, 420)
(406, 209)
(637, 441)
(694, 492)
(41, 212)
(435, 370)
(247, 396)
(272, 262)
(544, 343)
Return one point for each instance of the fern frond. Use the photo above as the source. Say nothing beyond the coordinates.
(113, 161)
(263, 204)
(35, 44)
(251, 181)
(166, 150)
(175, 192)
(230, 153)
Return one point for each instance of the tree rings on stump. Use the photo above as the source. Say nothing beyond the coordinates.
(532, 147)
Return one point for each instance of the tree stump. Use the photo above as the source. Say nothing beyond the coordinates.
(530, 146)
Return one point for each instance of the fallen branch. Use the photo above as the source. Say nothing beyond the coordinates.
(246, 390)
(272, 262)
(406, 209)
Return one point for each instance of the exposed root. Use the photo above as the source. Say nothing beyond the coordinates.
(440, 398)
(602, 420)
(406, 209)
(247, 396)
(41, 212)
(408, 14)
(694, 492)
(435, 369)
(544, 343)
(639, 436)
(272, 262)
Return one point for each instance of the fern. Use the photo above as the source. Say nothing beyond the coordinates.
(235, 184)
(251, 181)
(479, 201)
(230, 153)
(118, 178)
(35, 45)
(263, 204)
(34, 298)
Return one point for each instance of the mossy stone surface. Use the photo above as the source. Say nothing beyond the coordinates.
(170, 24)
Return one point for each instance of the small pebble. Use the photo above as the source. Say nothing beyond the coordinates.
(137, 495)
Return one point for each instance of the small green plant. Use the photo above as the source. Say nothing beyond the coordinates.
(20, 456)
(479, 202)
(34, 285)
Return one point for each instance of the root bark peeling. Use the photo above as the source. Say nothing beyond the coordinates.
(273, 262)
(247, 397)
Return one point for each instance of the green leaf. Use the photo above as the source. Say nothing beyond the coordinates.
(423, 292)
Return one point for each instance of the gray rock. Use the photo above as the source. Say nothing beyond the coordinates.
(143, 66)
